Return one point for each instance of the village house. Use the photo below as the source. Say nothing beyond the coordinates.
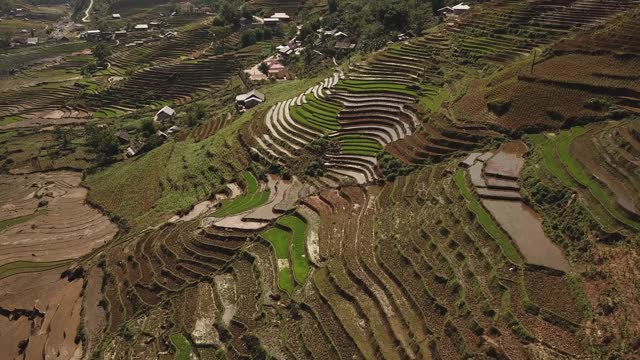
(460, 9)
(284, 50)
(278, 71)
(282, 17)
(164, 115)
(406, 36)
(141, 27)
(134, 149)
(454, 10)
(344, 44)
(32, 41)
(250, 99)
(154, 24)
(115, 16)
(93, 35)
(123, 137)
(119, 34)
(271, 21)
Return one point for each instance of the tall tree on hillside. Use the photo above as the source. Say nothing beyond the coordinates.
(436, 5)
(102, 142)
(333, 6)
(264, 68)
(101, 52)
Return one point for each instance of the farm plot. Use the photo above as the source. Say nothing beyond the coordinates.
(495, 181)
(288, 238)
(47, 220)
(560, 162)
(251, 199)
(450, 256)
(47, 307)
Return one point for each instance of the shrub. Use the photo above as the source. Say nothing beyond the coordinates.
(248, 38)
(391, 167)
(103, 142)
(499, 107)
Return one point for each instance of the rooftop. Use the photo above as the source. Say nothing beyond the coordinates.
(167, 110)
(253, 93)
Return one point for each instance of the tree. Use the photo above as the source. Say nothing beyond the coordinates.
(5, 39)
(333, 6)
(63, 136)
(101, 52)
(436, 5)
(148, 127)
(102, 142)
(264, 68)
(248, 38)
(196, 113)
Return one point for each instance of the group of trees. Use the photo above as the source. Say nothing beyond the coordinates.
(371, 23)
(101, 52)
(250, 37)
(103, 143)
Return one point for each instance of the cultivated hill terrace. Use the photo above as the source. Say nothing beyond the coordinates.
(341, 179)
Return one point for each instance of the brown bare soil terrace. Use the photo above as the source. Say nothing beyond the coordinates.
(51, 220)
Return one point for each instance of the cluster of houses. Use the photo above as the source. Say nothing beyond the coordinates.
(276, 19)
(95, 35)
(272, 21)
(163, 117)
(333, 39)
(456, 10)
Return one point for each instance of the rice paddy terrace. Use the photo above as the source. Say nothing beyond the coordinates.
(472, 192)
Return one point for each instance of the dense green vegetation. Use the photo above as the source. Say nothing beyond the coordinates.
(317, 114)
(288, 239)
(372, 23)
(299, 260)
(359, 145)
(182, 345)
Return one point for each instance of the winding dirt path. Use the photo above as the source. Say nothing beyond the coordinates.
(86, 12)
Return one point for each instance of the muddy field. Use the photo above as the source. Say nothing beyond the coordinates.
(47, 218)
(43, 309)
(524, 227)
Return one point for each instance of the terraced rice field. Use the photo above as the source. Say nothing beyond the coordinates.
(252, 198)
(45, 220)
(484, 243)
(564, 166)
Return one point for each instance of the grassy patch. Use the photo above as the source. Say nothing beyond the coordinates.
(359, 145)
(433, 97)
(10, 119)
(280, 240)
(5, 224)
(574, 280)
(20, 267)
(288, 241)
(252, 198)
(317, 114)
(298, 253)
(183, 347)
(487, 221)
(284, 281)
